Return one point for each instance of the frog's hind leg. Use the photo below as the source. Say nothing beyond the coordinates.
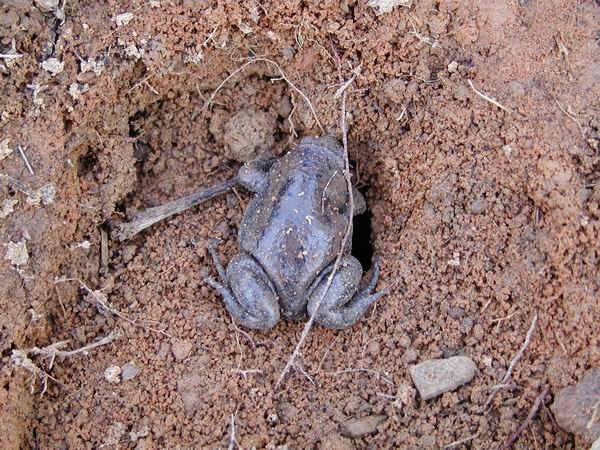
(344, 303)
(248, 294)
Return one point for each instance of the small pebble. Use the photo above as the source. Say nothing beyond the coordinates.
(452, 67)
(456, 313)
(181, 349)
(129, 371)
(128, 253)
(410, 356)
(112, 374)
(355, 428)
(436, 376)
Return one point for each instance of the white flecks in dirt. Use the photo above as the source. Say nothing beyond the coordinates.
(123, 19)
(436, 376)
(386, 6)
(91, 65)
(355, 428)
(8, 206)
(112, 374)
(53, 66)
(37, 89)
(5, 150)
(577, 408)
(76, 89)
(16, 253)
(45, 195)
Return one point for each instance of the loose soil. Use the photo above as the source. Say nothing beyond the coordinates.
(482, 217)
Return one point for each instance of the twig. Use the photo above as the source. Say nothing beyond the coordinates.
(53, 350)
(232, 440)
(283, 77)
(493, 101)
(338, 260)
(150, 216)
(9, 56)
(571, 116)
(100, 301)
(460, 441)
(532, 413)
(513, 362)
(25, 160)
(20, 358)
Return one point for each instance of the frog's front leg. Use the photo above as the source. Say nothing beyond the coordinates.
(247, 291)
(253, 175)
(344, 304)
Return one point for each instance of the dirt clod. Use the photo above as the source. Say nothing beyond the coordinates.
(248, 134)
(577, 408)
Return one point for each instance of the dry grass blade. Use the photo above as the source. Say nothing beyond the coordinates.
(21, 358)
(283, 77)
(493, 101)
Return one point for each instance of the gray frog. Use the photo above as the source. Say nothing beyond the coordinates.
(289, 240)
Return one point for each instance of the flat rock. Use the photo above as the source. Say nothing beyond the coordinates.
(577, 408)
(436, 376)
(355, 428)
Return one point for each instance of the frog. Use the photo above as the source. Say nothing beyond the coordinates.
(290, 237)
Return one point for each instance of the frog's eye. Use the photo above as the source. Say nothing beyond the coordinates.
(335, 194)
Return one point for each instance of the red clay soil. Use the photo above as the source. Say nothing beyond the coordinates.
(484, 217)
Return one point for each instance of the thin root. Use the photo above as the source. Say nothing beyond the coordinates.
(494, 101)
(532, 413)
(283, 77)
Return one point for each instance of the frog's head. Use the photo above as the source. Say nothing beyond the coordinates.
(333, 147)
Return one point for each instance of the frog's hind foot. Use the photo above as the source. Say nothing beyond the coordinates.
(344, 303)
(247, 292)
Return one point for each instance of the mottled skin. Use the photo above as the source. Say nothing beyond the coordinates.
(290, 236)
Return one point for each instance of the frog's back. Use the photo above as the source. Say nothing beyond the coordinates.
(292, 227)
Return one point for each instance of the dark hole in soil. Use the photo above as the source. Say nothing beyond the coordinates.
(86, 163)
(362, 248)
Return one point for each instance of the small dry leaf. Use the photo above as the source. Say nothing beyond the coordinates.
(7, 207)
(123, 19)
(112, 374)
(5, 150)
(386, 6)
(16, 253)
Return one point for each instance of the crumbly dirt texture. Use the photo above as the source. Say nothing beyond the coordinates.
(482, 217)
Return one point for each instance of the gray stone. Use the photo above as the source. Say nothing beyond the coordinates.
(129, 371)
(577, 408)
(355, 428)
(436, 376)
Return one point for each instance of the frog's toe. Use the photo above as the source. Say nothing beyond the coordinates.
(343, 304)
